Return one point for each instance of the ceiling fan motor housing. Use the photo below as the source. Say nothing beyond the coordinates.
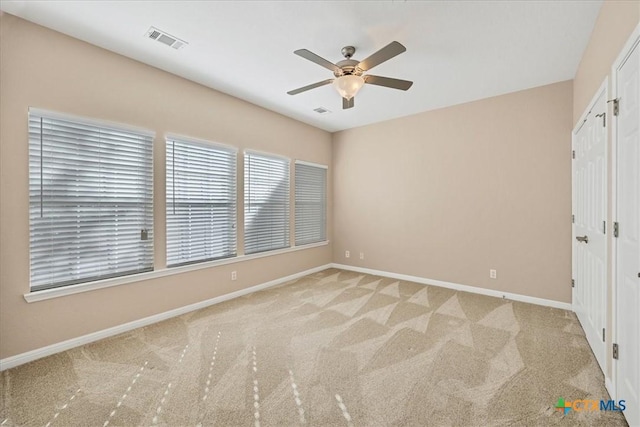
(348, 66)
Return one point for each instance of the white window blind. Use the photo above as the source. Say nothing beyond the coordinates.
(311, 203)
(201, 201)
(266, 202)
(90, 200)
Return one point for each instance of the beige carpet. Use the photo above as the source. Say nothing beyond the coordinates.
(334, 348)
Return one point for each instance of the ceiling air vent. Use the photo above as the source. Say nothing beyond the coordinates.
(160, 36)
(321, 110)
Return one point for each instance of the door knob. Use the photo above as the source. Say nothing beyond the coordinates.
(584, 239)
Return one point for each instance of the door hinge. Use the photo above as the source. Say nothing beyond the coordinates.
(604, 119)
(604, 227)
(573, 219)
(144, 234)
(616, 229)
(616, 106)
(615, 351)
(573, 283)
(573, 154)
(602, 334)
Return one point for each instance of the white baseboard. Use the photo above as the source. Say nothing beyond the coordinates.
(610, 388)
(458, 287)
(32, 355)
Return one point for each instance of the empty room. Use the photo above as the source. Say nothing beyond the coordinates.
(323, 213)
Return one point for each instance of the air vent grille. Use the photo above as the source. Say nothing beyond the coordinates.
(321, 110)
(165, 38)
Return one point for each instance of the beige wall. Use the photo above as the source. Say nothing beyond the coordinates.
(45, 69)
(452, 193)
(445, 195)
(615, 23)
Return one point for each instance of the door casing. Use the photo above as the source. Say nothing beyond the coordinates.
(632, 42)
(601, 93)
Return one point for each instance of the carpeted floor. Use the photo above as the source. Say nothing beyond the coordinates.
(333, 348)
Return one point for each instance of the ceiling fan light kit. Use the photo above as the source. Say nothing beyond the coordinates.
(350, 74)
(348, 85)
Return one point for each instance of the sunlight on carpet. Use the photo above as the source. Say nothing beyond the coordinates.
(334, 348)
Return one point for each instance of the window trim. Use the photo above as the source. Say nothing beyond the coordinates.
(92, 121)
(316, 165)
(113, 125)
(176, 137)
(278, 157)
(265, 154)
(184, 138)
(57, 292)
(47, 294)
(326, 225)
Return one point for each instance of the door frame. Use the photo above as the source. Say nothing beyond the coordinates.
(603, 91)
(633, 41)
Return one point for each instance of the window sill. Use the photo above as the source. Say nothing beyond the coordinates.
(107, 283)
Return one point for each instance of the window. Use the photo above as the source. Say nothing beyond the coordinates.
(266, 202)
(311, 203)
(90, 200)
(201, 201)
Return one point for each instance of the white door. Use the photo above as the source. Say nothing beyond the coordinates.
(627, 266)
(589, 228)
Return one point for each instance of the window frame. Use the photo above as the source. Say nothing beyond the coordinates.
(247, 195)
(147, 136)
(325, 202)
(223, 147)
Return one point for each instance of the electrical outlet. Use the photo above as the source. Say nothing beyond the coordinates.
(234, 275)
(347, 254)
(361, 255)
(493, 274)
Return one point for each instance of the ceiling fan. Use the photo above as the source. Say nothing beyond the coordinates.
(350, 74)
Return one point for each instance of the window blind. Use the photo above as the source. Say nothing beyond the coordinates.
(310, 203)
(266, 202)
(201, 201)
(90, 200)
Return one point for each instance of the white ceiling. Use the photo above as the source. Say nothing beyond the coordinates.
(456, 51)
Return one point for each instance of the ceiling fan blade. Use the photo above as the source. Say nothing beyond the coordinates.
(309, 87)
(384, 54)
(347, 103)
(388, 82)
(306, 54)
